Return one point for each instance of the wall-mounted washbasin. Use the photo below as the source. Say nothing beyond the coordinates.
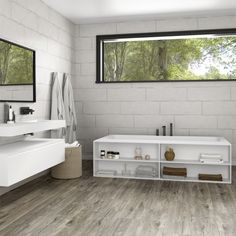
(29, 126)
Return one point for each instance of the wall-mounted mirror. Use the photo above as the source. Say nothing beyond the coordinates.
(17, 73)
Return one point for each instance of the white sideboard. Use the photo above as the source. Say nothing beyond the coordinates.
(29, 156)
(187, 152)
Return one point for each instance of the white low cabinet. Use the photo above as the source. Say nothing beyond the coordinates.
(23, 159)
(187, 155)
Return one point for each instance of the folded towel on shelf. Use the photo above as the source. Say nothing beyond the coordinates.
(211, 160)
(210, 155)
(146, 171)
(145, 168)
(139, 173)
(106, 172)
(144, 176)
(74, 144)
(174, 171)
(211, 177)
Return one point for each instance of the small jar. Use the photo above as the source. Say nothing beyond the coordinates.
(116, 155)
(138, 153)
(102, 154)
(109, 155)
(147, 157)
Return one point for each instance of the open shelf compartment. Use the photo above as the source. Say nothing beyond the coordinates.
(194, 170)
(124, 169)
(190, 154)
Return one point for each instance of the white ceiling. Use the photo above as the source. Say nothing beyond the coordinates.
(88, 11)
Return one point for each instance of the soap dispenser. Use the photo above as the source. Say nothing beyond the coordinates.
(11, 116)
(6, 112)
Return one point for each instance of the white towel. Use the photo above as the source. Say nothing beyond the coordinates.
(57, 106)
(74, 144)
(210, 155)
(70, 114)
(211, 160)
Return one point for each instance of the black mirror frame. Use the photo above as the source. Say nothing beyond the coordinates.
(34, 74)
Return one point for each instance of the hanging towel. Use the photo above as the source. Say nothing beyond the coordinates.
(70, 114)
(57, 106)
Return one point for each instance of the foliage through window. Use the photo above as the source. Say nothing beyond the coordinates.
(173, 56)
(16, 64)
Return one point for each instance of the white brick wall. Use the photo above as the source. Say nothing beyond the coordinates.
(195, 108)
(35, 25)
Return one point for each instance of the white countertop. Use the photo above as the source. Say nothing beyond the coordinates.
(195, 140)
(25, 127)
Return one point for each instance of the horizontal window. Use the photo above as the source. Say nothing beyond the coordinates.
(172, 56)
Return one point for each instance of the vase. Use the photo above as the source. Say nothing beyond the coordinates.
(170, 155)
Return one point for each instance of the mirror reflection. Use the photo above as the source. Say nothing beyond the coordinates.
(17, 72)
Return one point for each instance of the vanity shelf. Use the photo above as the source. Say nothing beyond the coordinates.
(26, 127)
(187, 152)
(28, 156)
(25, 158)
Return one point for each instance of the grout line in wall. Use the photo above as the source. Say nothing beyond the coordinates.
(197, 20)
(201, 107)
(156, 25)
(107, 94)
(133, 121)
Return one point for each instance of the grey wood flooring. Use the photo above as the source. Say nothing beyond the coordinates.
(104, 207)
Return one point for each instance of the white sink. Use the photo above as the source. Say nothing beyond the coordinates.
(30, 126)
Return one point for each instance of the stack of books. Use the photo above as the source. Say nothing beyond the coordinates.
(174, 171)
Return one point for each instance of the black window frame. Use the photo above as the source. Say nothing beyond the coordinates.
(100, 51)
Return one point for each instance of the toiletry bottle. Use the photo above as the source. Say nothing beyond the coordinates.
(13, 117)
(10, 114)
(6, 113)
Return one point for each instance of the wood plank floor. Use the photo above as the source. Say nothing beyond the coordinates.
(104, 207)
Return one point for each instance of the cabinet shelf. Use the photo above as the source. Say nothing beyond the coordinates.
(192, 179)
(127, 177)
(127, 160)
(194, 162)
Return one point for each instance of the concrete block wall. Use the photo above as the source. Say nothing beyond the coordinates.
(195, 108)
(33, 24)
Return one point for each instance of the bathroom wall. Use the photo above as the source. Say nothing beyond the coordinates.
(33, 24)
(195, 108)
